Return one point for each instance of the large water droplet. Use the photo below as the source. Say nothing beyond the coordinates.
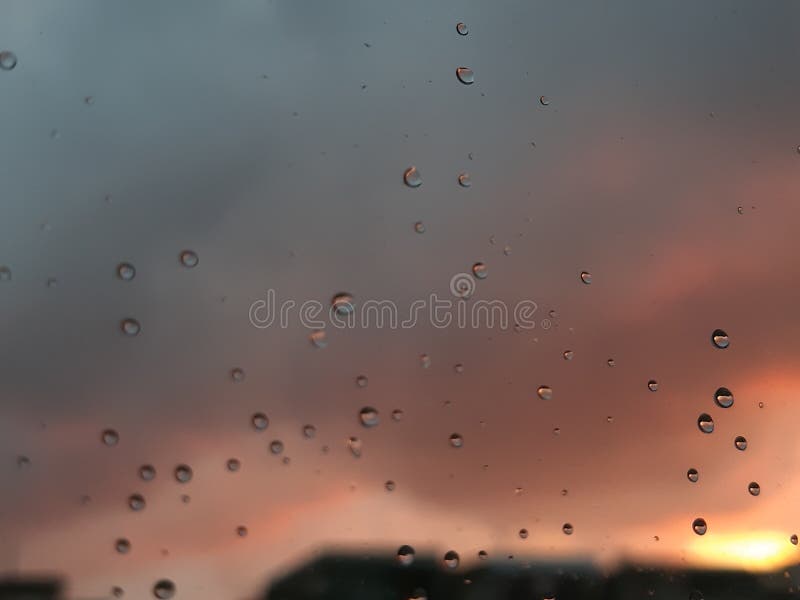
(456, 441)
(147, 472)
(126, 271)
(122, 546)
(545, 392)
(699, 526)
(451, 559)
(480, 270)
(318, 338)
(276, 446)
(652, 385)
(754, 488)
(412, 178)
(8, 60)
(464, 179)
(720, 339)
(130, 327)
(723, 397)
(342, 304)
(586, 277)
(523, 533)
(260, 421)
(354, 444)
(309, 431)
(136, 502)
(183, 473)
(233, 465)
(692, 475)
(368, 416)
(740, 442)
(705, 423)
(462, 28)
(567, 528)
(405, 555)
(189, 259)
(110, 437)
(164, 589)
(237, 375)
(465, 75)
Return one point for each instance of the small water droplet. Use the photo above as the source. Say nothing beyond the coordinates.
(545, 392)
(611, 362)
(483, 555)
(147, 472)
(465, 75)
(462, 28)
(754, 488)
(354, 444)
(390, 485)
(418, 594)
(397, 415)
(740, 442)
(507, 250)
(424, 361)
(793, 539)
(464, 179)
(405, 555)
(362, 381)
(186, 498)
(740, 210)
(189, 259)
(122, 546)
(117, 592)
(458, 368)
(110, 437)
(523, 533)
(412, 178)
(309, 431)
(586, 277)
(130, 327)
(164, 589)
(692, 475)
(276, 446)
(568, 354)
(5, 273)
(183, 473)
(342, 304)
(8, 60)
(368, 416)
(699, 526)
(419, 227)
(567, 528)
(720, 339)
(318, 338)
(705, 423)
(480, 270)
(456, 441)
(451, 559)
(241, 531)
(88, 100)
(126, 271)
(695, 595)
(260, 421)
(237, 375)
(609, 419)
(233, 465)
(557, 431)
(652, 385)
(544, 100)
(136, 502)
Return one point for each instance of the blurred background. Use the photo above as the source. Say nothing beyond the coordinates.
(164, 165)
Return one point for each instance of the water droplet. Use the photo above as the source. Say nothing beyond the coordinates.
(720, 339)
(567, 528)
(480, 270)
(233, 465)
(405, 555)
(237, 375)
(126, 271)
(309, 431)
(557, 431)
(609, 419)
(754, 488)
(88, 100)
(568, 355)
(318, 338)
(723, 397)
(465, 75)
(740, 210)
(110, 437)
(189, 259)
(424, 361)
(451, 559)
(523, 533)
(652, 385)
(117, 592)
(362, 381)
(5, 273)
(397, 415)
(483, 555)
(122, 546)
(130, 327)
(544, 100)
(136, 502)
(183, 473)
(276, 446)
(412, 178)
(260, 421)
(699, 526)
(8, 60)
(164, 589)
(692, 475)
(241, 531)
(458, 368)
(760, 405)
(611, 362)
(419, 227)
(354, 444)
(147, 472)
(740, 442)
(51, 282)
(507, 250)
(390, 485)
(342, 304)
(368, 416)
(456, 441)
(545, 392)
(705, 423)
(418, 594)
(464, 180)
(793, 539)
(462, 29)
(586, 277)
(186, 498)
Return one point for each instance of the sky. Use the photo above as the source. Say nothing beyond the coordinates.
(271, 139)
